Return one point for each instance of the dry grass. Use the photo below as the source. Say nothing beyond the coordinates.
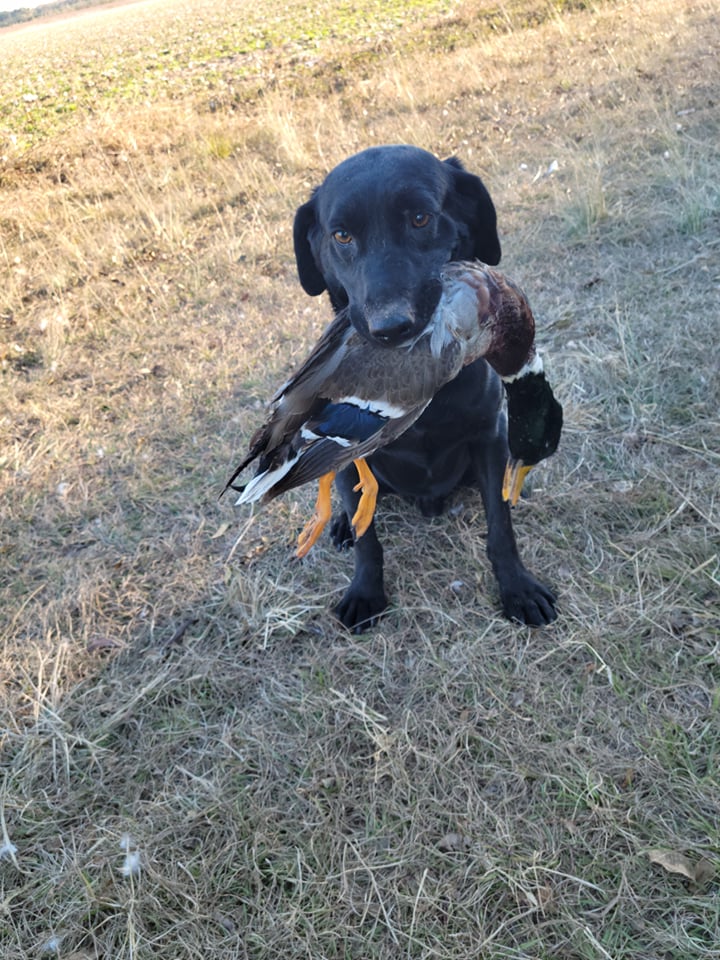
(176, 695)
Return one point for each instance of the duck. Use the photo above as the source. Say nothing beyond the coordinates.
(352, 396)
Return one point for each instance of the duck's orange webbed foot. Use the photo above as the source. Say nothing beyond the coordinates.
(368, 499)
(322, 513)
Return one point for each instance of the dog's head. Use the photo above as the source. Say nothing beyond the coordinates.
(376, 233)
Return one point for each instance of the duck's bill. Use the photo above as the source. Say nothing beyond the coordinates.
(515, 473)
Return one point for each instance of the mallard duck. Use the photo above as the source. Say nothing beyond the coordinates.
(352, 396)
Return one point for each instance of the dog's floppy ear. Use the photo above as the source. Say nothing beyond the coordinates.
(474, 212)
(311, 278)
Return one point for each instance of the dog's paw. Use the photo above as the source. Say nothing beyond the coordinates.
(359, 611)
(528, 601)
(341, 532)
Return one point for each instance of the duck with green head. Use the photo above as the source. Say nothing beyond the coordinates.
(352, 396)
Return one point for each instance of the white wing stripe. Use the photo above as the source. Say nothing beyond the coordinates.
(308, 434)
(382, 407)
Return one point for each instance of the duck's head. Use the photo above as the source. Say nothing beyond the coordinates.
(535, 420)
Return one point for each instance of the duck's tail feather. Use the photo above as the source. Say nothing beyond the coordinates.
(267, 483)
(231, 485)
(258, 443)
(316, 460)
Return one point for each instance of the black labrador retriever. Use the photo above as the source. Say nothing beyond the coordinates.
(375, 235)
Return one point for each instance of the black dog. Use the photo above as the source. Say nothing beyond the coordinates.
(375, 235)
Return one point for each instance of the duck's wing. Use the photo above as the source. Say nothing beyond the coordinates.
(343, 432)
(373, 396)
(350, 397)
(320, 364)
(295, 401)
(325, 437)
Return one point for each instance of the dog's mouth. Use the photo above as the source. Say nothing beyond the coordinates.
(398, 322)
(392, 327)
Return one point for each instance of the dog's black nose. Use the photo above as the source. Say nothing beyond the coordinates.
(391, 329)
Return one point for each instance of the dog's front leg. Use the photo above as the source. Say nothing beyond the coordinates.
(364, 599)
(523, 598)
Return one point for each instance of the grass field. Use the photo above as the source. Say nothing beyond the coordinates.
(197, 761)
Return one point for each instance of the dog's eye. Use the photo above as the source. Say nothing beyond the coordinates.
(420, 220)
(342, 236)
